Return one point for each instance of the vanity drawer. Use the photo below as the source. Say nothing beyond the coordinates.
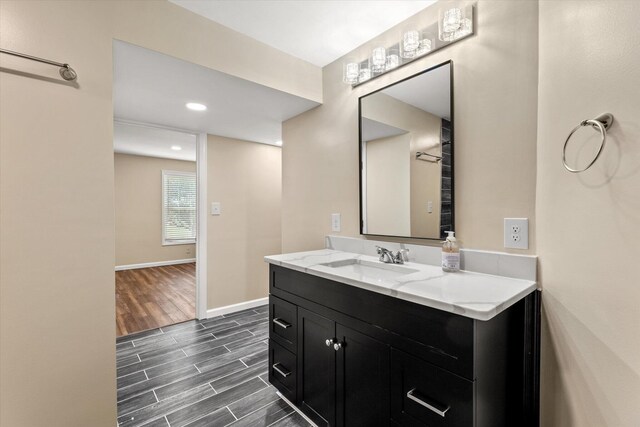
(283, 318)
(425, 395)
(282, 370)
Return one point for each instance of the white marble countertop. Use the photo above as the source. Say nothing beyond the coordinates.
(475, 295)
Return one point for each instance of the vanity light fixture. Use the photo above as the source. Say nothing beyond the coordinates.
(454, 23)
(176, 148)
(196, 106)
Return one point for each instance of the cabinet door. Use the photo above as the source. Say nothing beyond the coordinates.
(316, 367)
(362, 380)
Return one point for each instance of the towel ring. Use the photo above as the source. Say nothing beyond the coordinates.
(602, 123)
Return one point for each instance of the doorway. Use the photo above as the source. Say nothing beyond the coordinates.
(156, 194)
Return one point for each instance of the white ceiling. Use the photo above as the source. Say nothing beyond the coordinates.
(151, 87)
(317, 31)
(372, 129)
(430, 91)
(154, 142)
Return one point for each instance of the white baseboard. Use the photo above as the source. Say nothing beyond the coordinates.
(236, 307)
(154, 264)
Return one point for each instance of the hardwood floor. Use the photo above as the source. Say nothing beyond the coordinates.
(201, 373)
(148, 298)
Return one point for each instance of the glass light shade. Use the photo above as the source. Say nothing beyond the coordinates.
(410, 42)
(449, 22)
(365, 71)
(378, 59)
(351, 72)
(393, 59)
(425, 47)
(365, 74)
(466, 28)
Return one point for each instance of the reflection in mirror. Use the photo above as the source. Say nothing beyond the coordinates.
(406, 154)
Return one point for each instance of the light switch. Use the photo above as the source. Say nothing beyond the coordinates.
(335, 222)
(430, 206)
(216, 209)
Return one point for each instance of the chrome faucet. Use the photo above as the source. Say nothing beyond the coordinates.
(388, 257)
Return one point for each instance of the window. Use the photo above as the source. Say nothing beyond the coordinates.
(178, 207)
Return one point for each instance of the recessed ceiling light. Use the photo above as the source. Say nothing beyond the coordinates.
(278, 143)
(176, 147)
(196, 107)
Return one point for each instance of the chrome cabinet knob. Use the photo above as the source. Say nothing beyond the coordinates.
(337, 346)
(329, 342)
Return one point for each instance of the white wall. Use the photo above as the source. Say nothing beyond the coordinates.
(588, 224)
(246, 178)
(138, 210)
(388, 183)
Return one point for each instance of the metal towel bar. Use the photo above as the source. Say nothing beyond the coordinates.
(66, 72)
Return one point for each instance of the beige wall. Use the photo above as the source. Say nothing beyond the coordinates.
(245, 177)
(388, 180)
(56, 181)
(138, 199)
(495, 79)
(425, 178)
(588, 224)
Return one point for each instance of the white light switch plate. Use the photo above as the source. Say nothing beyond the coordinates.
(516, 233)
(335, 222)
(216, 208)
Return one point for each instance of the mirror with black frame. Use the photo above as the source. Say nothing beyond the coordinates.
(406, 157)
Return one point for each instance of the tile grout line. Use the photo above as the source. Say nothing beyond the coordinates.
(234, 415)
(268, 385)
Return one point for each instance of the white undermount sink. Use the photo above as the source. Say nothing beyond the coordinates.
(369, 269)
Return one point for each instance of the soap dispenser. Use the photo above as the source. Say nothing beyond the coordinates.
(450, 254)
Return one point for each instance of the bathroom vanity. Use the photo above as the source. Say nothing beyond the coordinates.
(355, 342)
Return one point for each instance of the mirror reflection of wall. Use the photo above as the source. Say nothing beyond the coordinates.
(406, 155)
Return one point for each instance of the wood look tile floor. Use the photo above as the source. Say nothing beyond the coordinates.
(148, 298)
(201, 373)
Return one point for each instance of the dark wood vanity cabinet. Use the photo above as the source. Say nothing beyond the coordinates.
(351, 357)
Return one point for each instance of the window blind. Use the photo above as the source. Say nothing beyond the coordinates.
(178, 207)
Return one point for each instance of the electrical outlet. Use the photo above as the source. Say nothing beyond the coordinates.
(516, 233)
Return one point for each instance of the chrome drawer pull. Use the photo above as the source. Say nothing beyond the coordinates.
(432, 407)
(280, 371)
(281, 323)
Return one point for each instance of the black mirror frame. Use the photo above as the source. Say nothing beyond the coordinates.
(361, 165)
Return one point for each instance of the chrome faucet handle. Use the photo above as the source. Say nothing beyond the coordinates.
(401, 256)
(386, 255)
